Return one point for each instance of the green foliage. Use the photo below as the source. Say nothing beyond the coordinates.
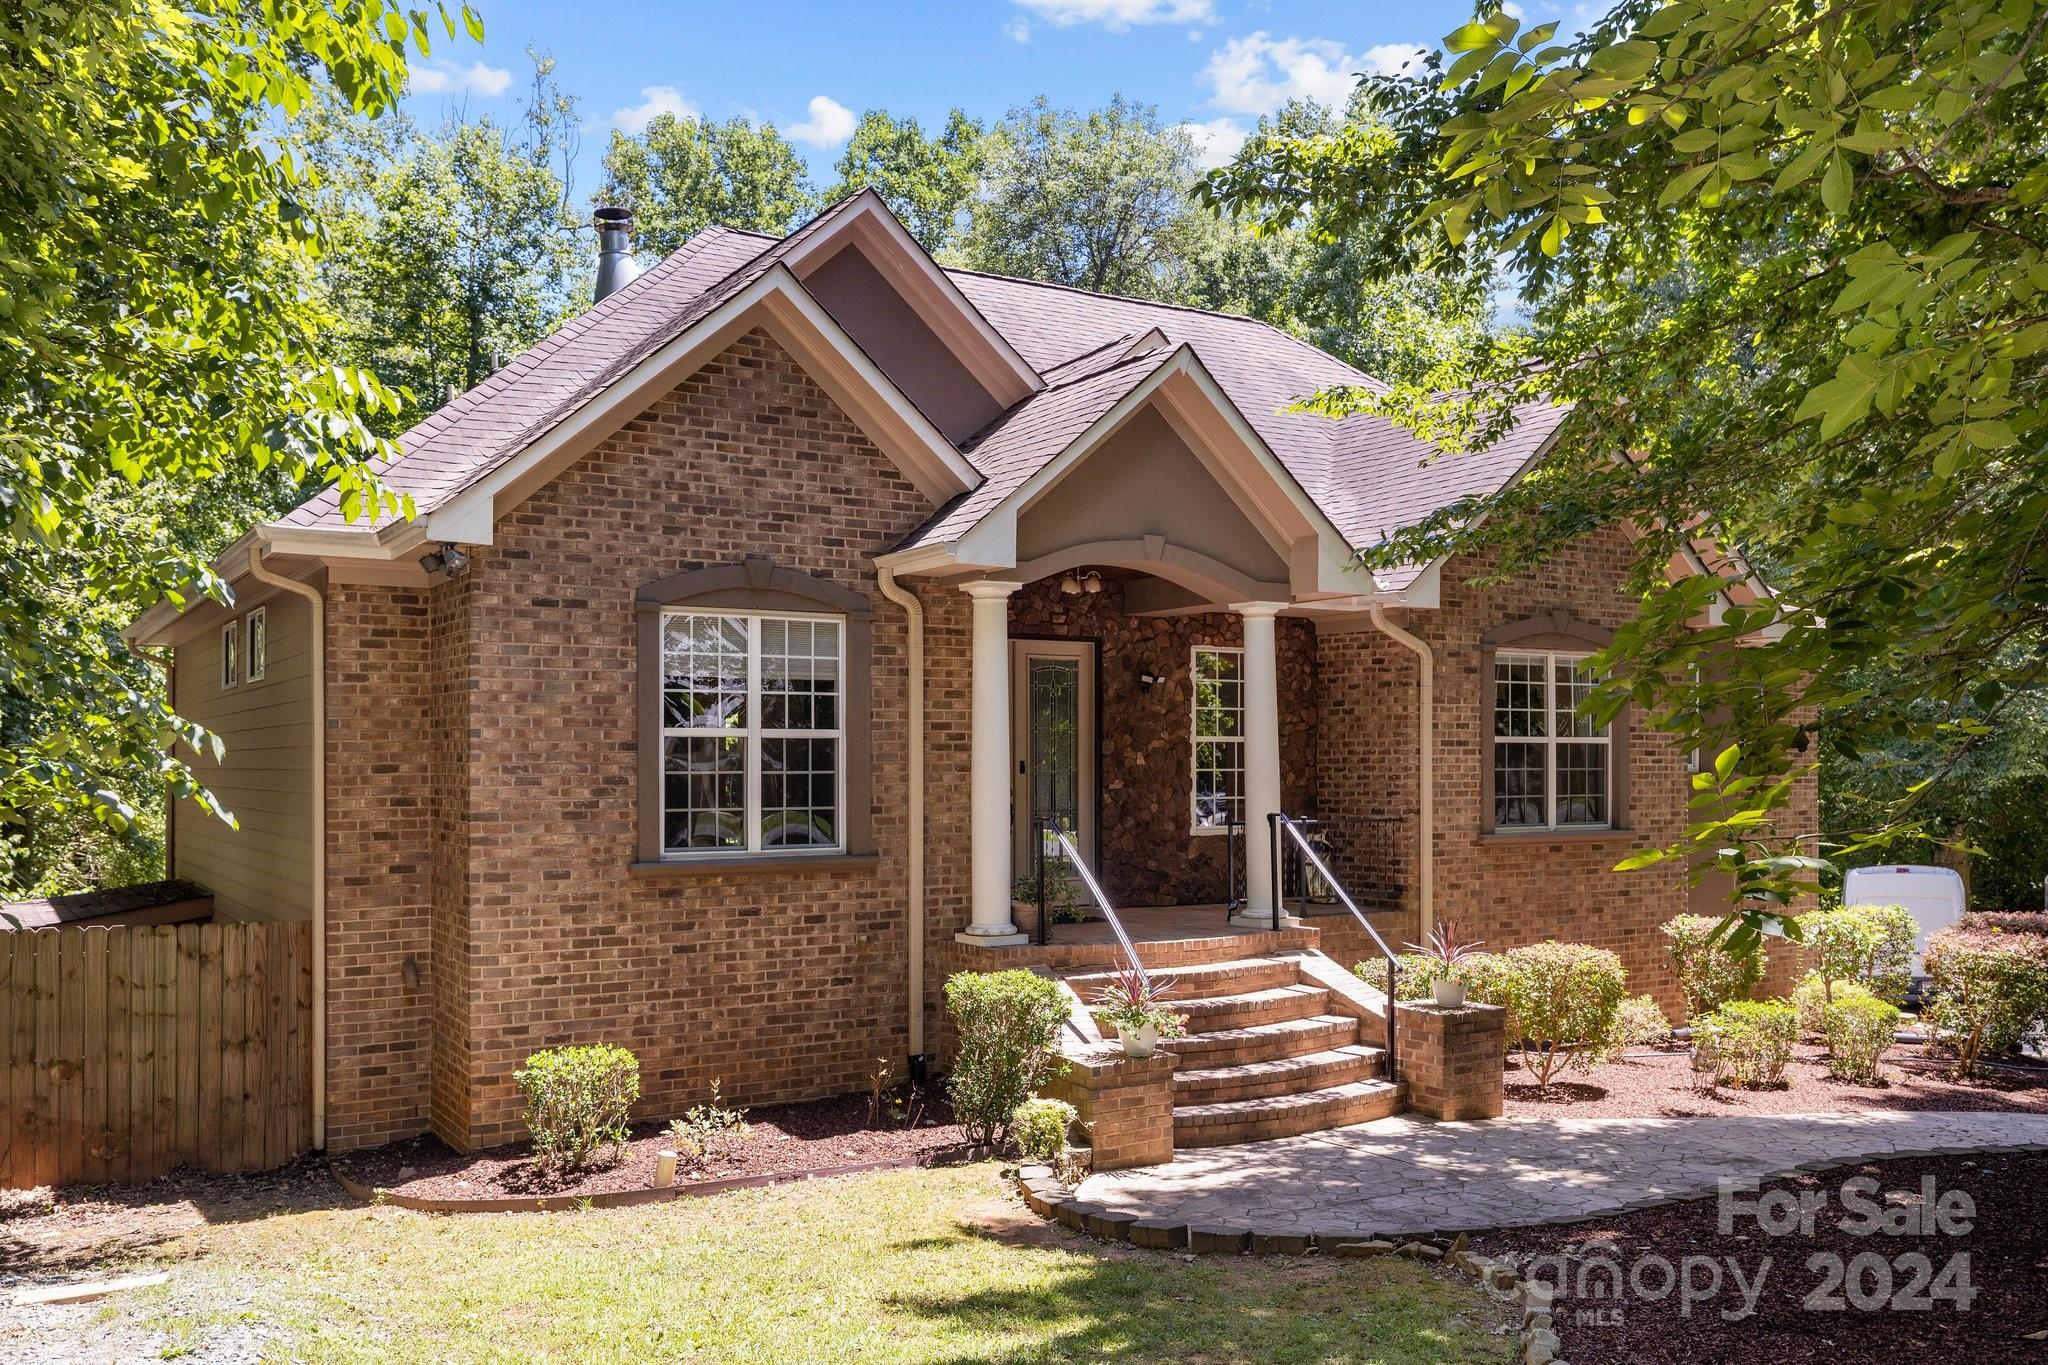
(454, 248)
(683, 175)
(1812, 996)
(576, 1101)
(1638, 1022)
(1062, 895)
(156, 338)
(1132, 1000)
(1009, 1025)
(1859, 1030)
(926, 181)
(1750, 1040)
(1709, 971)
(1987, 990)
(1563, 1000)
(708, 1130)
(1870, 945)
(1791, 262)
(1041, 1128)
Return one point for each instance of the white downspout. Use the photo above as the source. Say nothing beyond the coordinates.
(319, 743)
(913, 613)
(1425, 742)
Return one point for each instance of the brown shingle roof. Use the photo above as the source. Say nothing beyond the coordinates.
(1367, 475)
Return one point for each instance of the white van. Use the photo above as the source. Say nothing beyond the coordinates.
(1933, 894)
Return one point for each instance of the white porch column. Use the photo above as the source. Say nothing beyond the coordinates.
(989, 790)
(1261, 755)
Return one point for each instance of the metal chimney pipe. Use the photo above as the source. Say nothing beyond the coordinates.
(616, 267)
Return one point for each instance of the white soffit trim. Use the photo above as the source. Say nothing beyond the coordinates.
(797, 320)
(931, 293)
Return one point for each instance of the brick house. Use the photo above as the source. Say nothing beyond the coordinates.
(749, 624)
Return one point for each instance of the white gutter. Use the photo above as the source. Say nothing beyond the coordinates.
(913, 612)
(319, 744)
(1425, 743)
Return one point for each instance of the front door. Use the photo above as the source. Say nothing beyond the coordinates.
(1052, 684)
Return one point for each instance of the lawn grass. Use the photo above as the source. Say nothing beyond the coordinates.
(914, 1266)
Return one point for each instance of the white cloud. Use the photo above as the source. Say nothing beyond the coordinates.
(1514, 11)
(1387, 59)
(1216, 141)
(1259, 73)
(445, 78)
(655, 100)
(1118, 15)
(1018, 30)
(830, 124)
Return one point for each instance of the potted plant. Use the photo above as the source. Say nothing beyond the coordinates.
(1445, 953)
(1132, 1002)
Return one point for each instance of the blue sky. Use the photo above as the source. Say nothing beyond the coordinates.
(811, 68)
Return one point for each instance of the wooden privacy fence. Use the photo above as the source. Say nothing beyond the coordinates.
(132, 1049)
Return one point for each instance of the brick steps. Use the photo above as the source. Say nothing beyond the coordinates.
(1207, 979)
(1276, 1116)
(1280, 1076)
(1264, 1042)
(1208, 1014)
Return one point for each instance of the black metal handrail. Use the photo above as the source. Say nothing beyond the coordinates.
(1073, 857)
(1278, 821)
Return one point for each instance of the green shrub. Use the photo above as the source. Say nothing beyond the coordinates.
(1751, 1041)
(1563, 999)
(1708, 973)
(1041, 1128)
(1812, 996)
(1638, 1022)
(1870, 945)
(1009, 1025)
(576, 1101)
(1986, 989)
(708, 1130)
(1489, 980)
(1859, 1029)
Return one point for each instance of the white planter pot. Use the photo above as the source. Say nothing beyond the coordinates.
(1449, 994)
(1139, 1042)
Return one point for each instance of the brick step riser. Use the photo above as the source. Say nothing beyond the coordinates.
(1201, 1052)
(1223, 1089)
(1209, 952)
(1222, 978)
(1303, 1006)
(1362, 1110)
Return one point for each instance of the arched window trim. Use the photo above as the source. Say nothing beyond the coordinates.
(756, 584)
(1553, 632)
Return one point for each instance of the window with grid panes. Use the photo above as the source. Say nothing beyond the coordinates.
(1552, 767)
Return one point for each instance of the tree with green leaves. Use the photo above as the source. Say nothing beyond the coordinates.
(454, 248)
(683, 175)
(1095, 200)
(1787, 261)
(926, 181)
(156, 337)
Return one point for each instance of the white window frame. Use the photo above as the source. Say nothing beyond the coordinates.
(256, 638)
(1196, 739)
(752, 734)
(230, 655)
(1550, 739)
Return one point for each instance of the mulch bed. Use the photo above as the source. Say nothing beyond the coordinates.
(2005, 1259)
(782, 1139)
(1658, 1084)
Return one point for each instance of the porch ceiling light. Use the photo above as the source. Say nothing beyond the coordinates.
(1071, 585)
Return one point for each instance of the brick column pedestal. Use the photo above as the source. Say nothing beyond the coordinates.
(1125, 1103)
(1453, 1059)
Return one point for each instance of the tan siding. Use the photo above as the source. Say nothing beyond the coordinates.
(263, 869)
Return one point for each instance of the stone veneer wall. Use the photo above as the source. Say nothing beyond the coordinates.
(1146, 852)
(1509, 888)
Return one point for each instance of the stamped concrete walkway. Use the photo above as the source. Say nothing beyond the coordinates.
(1411, 1175)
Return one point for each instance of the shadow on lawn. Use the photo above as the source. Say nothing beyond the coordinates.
(1107, 1302)
(89, 1226)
